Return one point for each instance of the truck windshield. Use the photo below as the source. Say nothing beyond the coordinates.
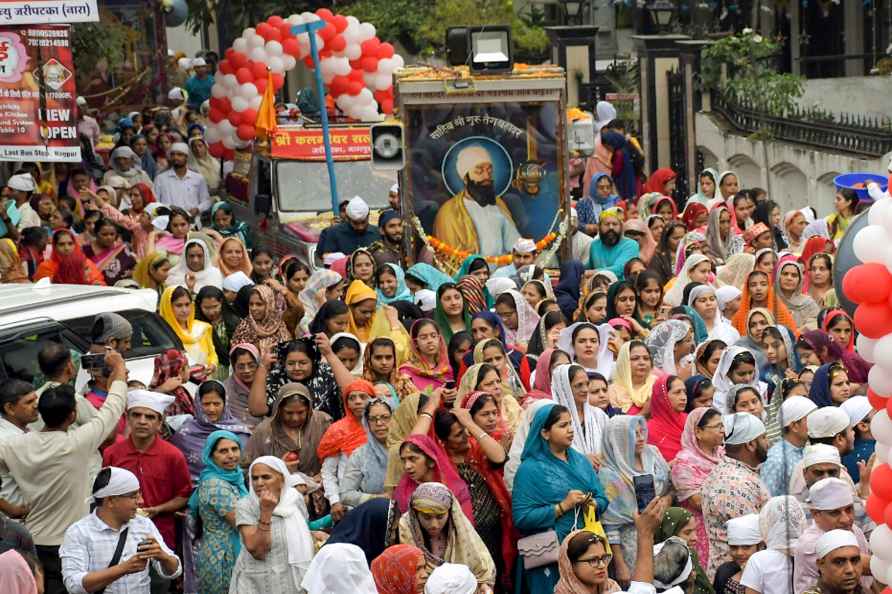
(303, 185)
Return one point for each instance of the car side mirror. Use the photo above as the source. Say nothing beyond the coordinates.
(263, 204)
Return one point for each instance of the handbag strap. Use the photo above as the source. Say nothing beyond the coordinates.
(119, 550)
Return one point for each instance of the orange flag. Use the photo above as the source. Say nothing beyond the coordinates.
(265, 125)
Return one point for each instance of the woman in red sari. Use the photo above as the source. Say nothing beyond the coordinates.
(68, 264)
(667, 416)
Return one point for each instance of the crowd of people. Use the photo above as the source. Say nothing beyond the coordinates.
(677, 407)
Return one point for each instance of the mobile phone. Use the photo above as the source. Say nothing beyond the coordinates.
(93, 361)
(449, 385)
(645, 491)
(143, 544)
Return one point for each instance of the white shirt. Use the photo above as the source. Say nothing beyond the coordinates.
(768, 572)
(90, 544)
(29, 217)
(495, 233)
(187, 192)
(9, 489)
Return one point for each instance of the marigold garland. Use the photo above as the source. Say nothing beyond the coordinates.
(503, 260)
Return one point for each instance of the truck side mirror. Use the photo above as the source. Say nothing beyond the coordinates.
(262, 204)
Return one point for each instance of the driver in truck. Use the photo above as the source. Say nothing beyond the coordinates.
(352, 234)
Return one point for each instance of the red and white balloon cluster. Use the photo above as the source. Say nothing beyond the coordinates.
(869, 284)
(356, 66)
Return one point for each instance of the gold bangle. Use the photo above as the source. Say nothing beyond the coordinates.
(424, 413)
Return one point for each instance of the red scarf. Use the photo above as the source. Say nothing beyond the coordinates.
(666, 425)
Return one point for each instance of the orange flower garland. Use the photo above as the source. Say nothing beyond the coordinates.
(503, 260)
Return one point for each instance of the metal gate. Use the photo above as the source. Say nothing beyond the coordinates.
(678, 153)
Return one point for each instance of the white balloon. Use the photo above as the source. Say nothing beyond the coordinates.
(255, 40)
(866, 347)
(881, 542)
(882, 452)
(273, 48)
(386, 66)
(295, 19)
(352, 20)
(212, 134)
(229, 141)
(877, 213)
(366, 97)
(351, 33)
(880, 379)
(226, 128)
(258, 54)
(882, 353)
(240, 45)
(248, 90)
(881, 427)
(341, 66)
(398, 60)
(310, 17)
(870, 244)
(239, 103)
(366, 31)
(289, 62)
(353, 51)
(248, 32)
(256, 101)
(219, 90)
(383, 81)
(230, 81)
(369, 78)
(276, 64)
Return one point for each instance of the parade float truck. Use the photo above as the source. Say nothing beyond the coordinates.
(485, 161)
(281, 187)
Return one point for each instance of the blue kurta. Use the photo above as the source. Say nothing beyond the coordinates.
(612, 258)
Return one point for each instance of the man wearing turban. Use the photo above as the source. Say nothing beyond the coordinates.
(475, 219)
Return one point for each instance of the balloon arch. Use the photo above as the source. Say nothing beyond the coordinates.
(356, 66)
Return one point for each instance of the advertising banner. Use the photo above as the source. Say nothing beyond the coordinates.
(347, 144)
(38, 122)
(47, 12)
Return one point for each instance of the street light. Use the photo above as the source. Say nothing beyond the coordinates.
(572, 9)
(661, 13)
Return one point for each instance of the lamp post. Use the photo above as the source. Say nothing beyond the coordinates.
(662, 13)
(573, 11)
(573, 49)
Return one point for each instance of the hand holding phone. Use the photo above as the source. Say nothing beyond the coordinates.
(645, 490)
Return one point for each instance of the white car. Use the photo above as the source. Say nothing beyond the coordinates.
(31, 314)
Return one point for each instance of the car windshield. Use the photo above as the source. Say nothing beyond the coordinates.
(303, 185)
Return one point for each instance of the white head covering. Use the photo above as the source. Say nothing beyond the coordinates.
(395, 188)
(469, 157)
(499, 284)
(742, 428)
(116, 182)
(685, 573)
(292, 510)
(176, 94)
(727, 294)
(198, 62)
(677, 291)
(835, 539)
(357, 369)
(588, 440)
(426, 299)
(236, 281)
(524, 245)
(819, 453)
(81, 101)
(606, 113)
(155, 401)
(830, 493)
(808, 213)
(722, 382)
(339, 568)
(332, 257)
(605, 355)
(781, 521)
(857, 407)
(661, 342)
(161, 222)
(608, 274)
(357, 209)
(179, 147)
(520, 437)
(209, 275)
(827, 421)
(451, 578)
(795, 408)
(121, 482)
(744, 530)
(21, 182)
(125, 151)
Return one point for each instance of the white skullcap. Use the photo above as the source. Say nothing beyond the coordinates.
(357, 209)
(744, 531)
(830, 493)
(198, 62)
(426, 299)
(236, 281)
(574, 212)
(331, 258)
(827, 421)
(685, 572)
(796, 408)
(819, 453)
(451, 578)
(608, 274)
(524, 246)
(117, 182)
(499, 284)
(469, 157)
(155, 401)
(121, 482)
(835, 539)
(742, 428)
(21, 182)
(857, 407)
(124, 151)
(160, 223)
(176, 94)
(395, 189)
(81, 101)
(179, 147)
(727, 294)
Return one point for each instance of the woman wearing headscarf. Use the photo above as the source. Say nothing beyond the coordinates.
(210, 307)
(707, 184)
(263, 327)
(400, 569)
(548, 361)
(626, 455)
(704, 300)
(639, 231)
(177, 309)
(701, 451)
(569, 387)
(322, 286)
(600, 197)
(339, 568)
(679, 522)
(663, 260)
(367, 321)
(697, 268)
(758, 291)
(184, 274)
(223, 222)
(277, 545)
(633, 379)
(584, 553)
(203, 162)
(829, 351)
(667, 416)
(475, 294)
(292, 431)
(492, 351)
(628, 184)
(400, 291)
(232, 257)
(428, 361)
(16, 576)
(669, 343)
(437, 467)
(426, 276)
(67, 263)
(220, 485)
(244, 360)
(551, 484)
(781, 521)
(589, 346)
(366, 468)
(722, 242)
(125, 163)
(661, 181)
(455, 541)
(12, 269)
(736, 270)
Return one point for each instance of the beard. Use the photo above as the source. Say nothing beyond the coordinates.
(394, 238)
(761, 454)
(610, 238)
(483, 193)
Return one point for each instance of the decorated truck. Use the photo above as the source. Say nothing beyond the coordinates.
(486, 157)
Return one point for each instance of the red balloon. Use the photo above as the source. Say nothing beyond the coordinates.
(216, 149)
(338, 85)
(285, 30)
(380, 96)
(385, 50)
(881, 481)
(225, 67)
(275, 20)
(327, 32)
(357, 76)
(228, 54)
(325, 14)
(278, 81)
(238, 60)
(291, 46)
(370, 64)
(258, 70)
(370, 47)
(260, 83)
(337, 43)
(215, 103)
(387, 106)
(244, 75)
(215, 115)
(249, 116)
(308, 61)
(877, 401)
(325, 53)
(274, 34)
(887, 515)
(867, 283)
(246, 131)
(354, 88)
(263, 29)
(340, 22)
(876, 508)
(354, 64)
(235, 118)
(228, 154)
(873, 320)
